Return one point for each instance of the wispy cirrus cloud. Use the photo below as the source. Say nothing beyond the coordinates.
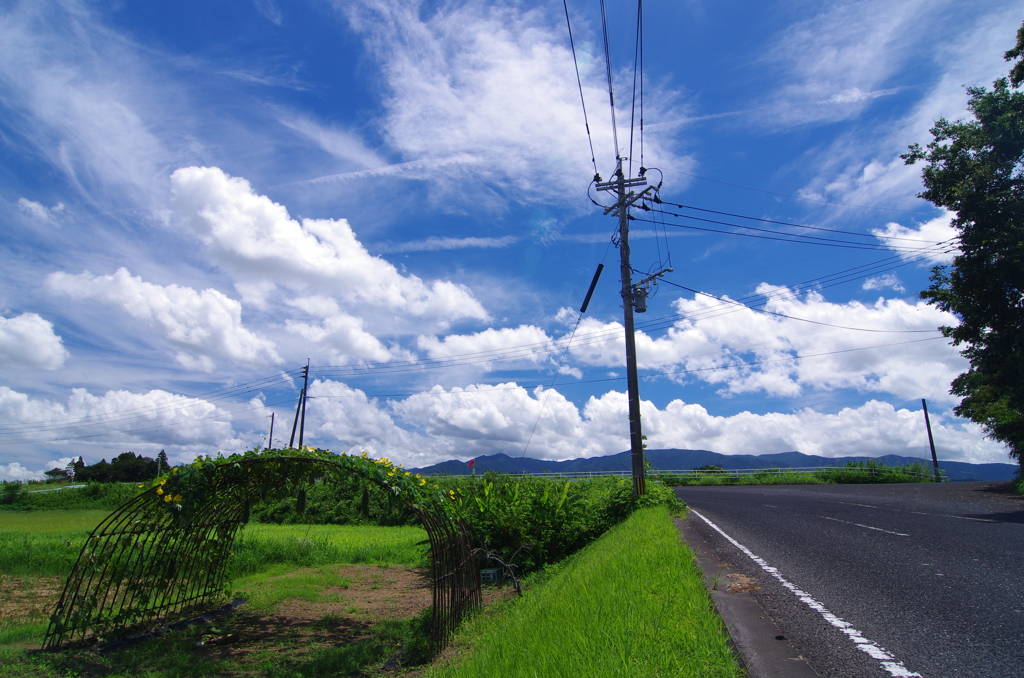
(435, 244)
(491, 86)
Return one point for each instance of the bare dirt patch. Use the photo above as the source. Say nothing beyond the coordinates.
(27, 599)
(373, 593)
(740, 583)
(347, 615)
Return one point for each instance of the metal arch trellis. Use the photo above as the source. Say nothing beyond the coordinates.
(166, 550)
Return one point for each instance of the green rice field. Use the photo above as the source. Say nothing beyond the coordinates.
(48, 542)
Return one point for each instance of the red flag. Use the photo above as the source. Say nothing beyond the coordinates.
(470, 462)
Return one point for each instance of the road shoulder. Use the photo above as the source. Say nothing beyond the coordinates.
(761, 646)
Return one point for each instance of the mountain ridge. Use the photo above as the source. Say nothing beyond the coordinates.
(680, 460)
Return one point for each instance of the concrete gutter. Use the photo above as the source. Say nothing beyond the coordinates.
(763, 650)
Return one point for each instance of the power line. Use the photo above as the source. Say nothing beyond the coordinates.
(522, 351)
(780, 236)
(579, 83)
(138, 430)
(790, 317)
(608, 69)
(149, 410)
(786, 223)
(795, 197)
(636, 68)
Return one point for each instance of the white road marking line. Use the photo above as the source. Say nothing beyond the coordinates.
(871, 648)
(850, 503)
(866, 527)
(947, 515)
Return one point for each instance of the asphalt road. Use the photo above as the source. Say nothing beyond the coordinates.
(932, 575)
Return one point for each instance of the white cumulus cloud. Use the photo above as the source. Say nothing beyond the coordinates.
(937, 230)
(208, 323)
(256, 240)
(118, 420)
(441, 424)
(28, 340)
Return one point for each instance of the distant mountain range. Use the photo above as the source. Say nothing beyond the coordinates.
(681, 460)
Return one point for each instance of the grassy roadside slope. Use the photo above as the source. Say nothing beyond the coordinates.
(630, 604)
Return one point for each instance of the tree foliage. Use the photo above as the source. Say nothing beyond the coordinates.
(975, 169)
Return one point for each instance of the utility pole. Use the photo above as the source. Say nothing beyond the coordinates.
(630, 296)
(300, 408)
(270, 440)
(931, 441)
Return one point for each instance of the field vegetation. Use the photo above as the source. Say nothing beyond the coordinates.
(854, 472)
(336, 582)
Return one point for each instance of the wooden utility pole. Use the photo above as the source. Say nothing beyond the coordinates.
(270, 440)
(624, 198)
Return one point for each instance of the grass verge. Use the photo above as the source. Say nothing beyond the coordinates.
(630, 604)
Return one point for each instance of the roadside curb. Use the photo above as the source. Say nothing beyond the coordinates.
(763, 650)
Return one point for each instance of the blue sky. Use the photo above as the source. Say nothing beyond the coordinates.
(196, 198)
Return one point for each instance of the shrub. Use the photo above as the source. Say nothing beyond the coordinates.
(535, 521)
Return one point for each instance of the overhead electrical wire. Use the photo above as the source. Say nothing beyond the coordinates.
(139, 430)
(520, 351)
(819, 283)
(637, 66)
(790, 317)
(148, 410)
(794, 197)
(579, 83)
(608, 69)
(781, 236)
(787, 223)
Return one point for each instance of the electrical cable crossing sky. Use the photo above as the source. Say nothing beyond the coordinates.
(415, 202)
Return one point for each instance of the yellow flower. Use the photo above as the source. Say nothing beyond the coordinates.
(140, 487)
(391, 473)
(423, 481)
(159, 490)
(435, 487)
(167, 498)
(177, 497)
(407, 473)
(164, 481)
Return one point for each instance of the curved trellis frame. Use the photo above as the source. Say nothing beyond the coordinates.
(166, 550)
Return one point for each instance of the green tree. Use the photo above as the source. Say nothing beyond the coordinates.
(975, 169)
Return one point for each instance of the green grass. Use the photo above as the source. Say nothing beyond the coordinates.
(103, 496)
(52, 521)
(630, 604)
(48, 543)
(265, 590)
(261, 546)
(852, 473)
(281, 562)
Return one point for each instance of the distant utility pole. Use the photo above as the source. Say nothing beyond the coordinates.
(634, 297)
(931, 441)
(270, 440)
(300, 409)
